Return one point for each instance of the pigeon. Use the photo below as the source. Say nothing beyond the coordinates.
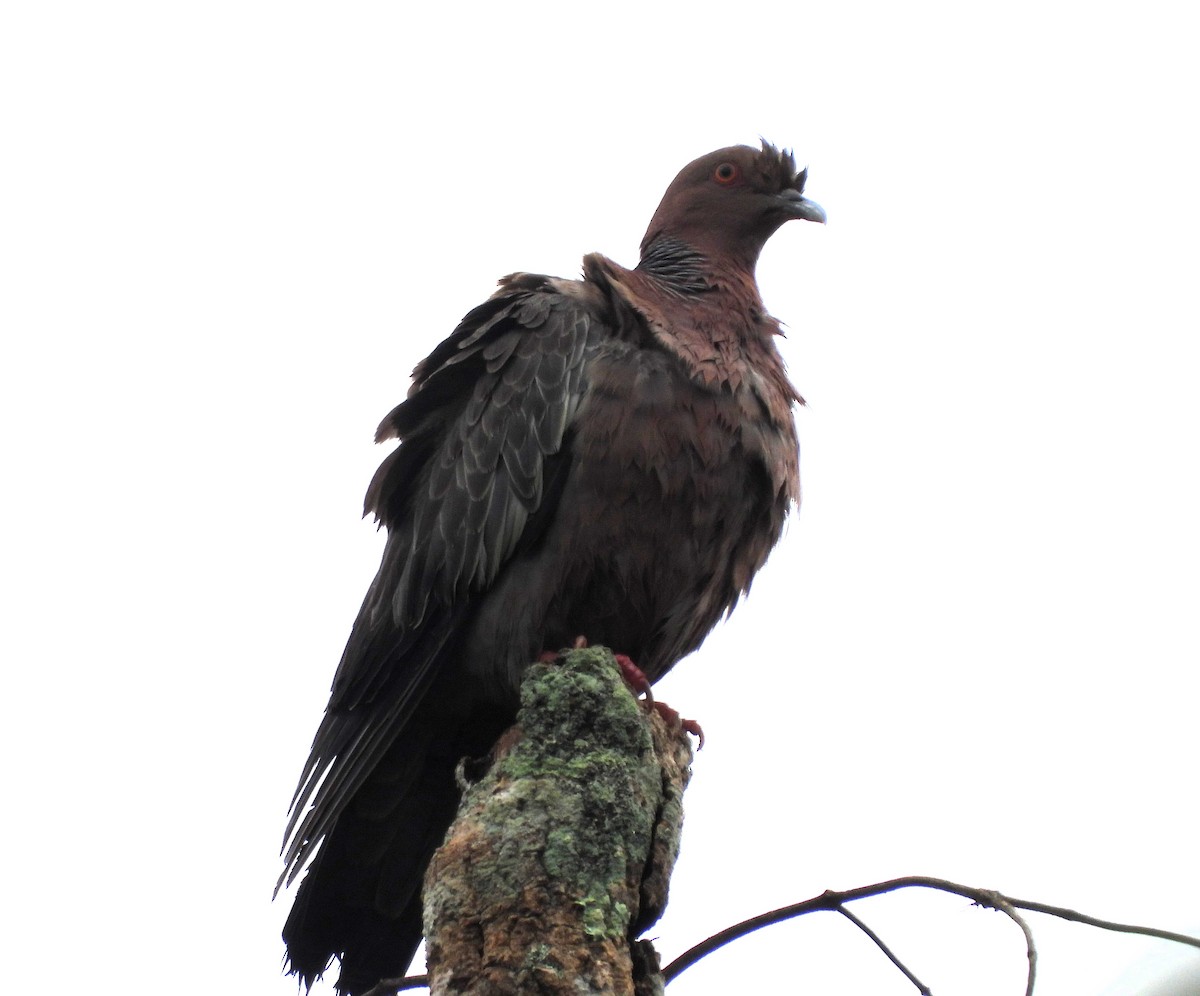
(611, 457)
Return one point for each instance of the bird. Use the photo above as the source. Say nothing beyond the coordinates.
(612, 456)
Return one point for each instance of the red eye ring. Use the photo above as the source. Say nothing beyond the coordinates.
(727, 174)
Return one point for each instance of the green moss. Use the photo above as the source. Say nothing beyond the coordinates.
(540, 958)
(584, 779)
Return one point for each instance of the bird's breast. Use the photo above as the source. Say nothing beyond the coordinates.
(671, 505)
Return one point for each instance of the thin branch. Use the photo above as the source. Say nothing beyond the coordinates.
(1005, 906)
(832, 900)
(1121, 928)
(921, 987)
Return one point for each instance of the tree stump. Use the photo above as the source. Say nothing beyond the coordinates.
(561, 854)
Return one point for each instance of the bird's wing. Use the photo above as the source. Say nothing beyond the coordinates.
(482, 457)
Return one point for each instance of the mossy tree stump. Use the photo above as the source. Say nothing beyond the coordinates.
(562, 853)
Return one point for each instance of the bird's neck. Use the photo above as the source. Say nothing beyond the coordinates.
(710, 317)
(679, 268)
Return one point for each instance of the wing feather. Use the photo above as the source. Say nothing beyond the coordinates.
(485, 425)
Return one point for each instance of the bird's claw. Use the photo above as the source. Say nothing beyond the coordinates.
(639, 684)
(672, 718)
(634, 677)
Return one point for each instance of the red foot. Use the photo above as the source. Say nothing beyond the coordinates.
(672, 718)
(634, 677)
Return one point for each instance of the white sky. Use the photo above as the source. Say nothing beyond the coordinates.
(229, 230)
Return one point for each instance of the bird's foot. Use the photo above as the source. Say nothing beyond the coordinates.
(672, 718)
(639, 684)
(634, 677)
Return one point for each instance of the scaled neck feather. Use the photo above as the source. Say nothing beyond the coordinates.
(676, 265)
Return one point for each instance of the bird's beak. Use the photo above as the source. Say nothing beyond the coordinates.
(796, 205)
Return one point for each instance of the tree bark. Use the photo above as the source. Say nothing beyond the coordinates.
(562, 853)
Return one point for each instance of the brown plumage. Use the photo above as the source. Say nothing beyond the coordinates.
(613, 457)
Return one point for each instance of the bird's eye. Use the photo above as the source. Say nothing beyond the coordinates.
(726, 174)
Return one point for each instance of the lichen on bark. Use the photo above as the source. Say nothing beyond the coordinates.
(561, 853)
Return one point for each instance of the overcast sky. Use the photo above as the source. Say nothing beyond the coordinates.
(229, 230)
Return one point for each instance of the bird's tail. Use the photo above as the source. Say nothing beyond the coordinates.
(360, 900)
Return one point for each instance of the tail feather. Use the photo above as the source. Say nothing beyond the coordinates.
(360, 900)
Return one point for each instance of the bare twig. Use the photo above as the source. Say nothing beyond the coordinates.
(835, 901)
(1005, 906)
(921, 987)
(1121, 928)
(984, 897)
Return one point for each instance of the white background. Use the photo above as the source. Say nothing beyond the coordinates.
(229, 231)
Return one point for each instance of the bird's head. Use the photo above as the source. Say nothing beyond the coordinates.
(726, 204)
